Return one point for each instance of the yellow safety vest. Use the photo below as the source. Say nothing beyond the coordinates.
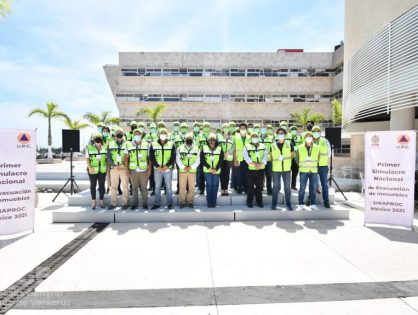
(282, 160)
(188, 157)
(138, 156)
(117, 152)
(239, 146)
(162, 154)
(98, 160)
(267, 141)
(308, 164)
(212, 158)
(256, 154)
(323, 152)
(227, 146)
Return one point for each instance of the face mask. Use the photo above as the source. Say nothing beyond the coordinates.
(206, 130)
(254, 140)
(270, 130)
(176, 129)
(189, 142)
(98, 140)
(196, 129)
(183, 131)
(263, 131)
(142, 129)
(309, 127)
(105, 134)
(232, 130)
(316, 134)
(99, 129)
(153, 130)
(119, 135)
(294, 132)
(256, 130)
(250, 130)
(280, 137)
(163, 137)
(243, 132)
(226, 131)
(137, 138)
(308, 139)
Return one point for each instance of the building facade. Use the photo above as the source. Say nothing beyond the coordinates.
(223, 86)
(381, 65)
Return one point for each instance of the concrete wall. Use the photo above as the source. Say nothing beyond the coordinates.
(226, 59)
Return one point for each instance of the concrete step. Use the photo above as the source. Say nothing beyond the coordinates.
(199, 214)
(84, 199)
(57, 184)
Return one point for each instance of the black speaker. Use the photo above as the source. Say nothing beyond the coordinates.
(333, 134)
(70, 140)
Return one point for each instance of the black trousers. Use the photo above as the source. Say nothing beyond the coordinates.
(201, 179)
(255, 180)
(242, 170)
(101, 178)
(295, 171)
(225, 171)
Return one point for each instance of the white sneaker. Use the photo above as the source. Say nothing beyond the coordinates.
(307, 208)
(299, 207)
(314, 207)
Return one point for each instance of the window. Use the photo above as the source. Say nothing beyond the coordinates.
(237, 73)
(129, 72)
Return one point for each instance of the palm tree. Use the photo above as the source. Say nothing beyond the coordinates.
(304, 116)
(50, 113)
(337, 115)
(104, 117)
(153, 112)
(75, 124)
(5, 7)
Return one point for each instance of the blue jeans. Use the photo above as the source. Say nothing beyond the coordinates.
(277, 186)
(212, 186)
(323, 177)
(312, 186)
(158, 178)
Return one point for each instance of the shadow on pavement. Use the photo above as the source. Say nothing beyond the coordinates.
(396, 235)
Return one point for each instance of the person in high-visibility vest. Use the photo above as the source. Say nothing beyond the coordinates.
(267, 140)
(150, 137)
(163, 155)
(256, 156)
(188, 159)
(129, 134)
(241, 138)
(324, 155)
(227, 145)
(307, 158)
(232, 132)
(202, 141)
(282, 152)
(296, 141)
(211, 157)
(138, 163)
(116, 160)
(96, 159)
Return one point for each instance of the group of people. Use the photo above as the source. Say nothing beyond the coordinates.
(241, 157)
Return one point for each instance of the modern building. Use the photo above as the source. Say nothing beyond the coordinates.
(381, 65)
(223, 86)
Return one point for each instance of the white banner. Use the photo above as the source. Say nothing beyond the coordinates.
(17, 180)
(390, 177)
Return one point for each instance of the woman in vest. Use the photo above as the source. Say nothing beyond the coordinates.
(255, 156)
(139, 166)
(188, 160)
(226, 142)
(96, 159)
(211, 158)
(307, 158)
(282, 153)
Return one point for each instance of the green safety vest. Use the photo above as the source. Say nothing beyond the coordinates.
(227, 146)
(239, 146)
(98, 160)
(323, 152)
(162, 154)
(202, 139)
(297, 140)
(138, 156)
(267, 141)
(256, 154)
(151, 137)
(117, 153)
(308, 164)
(178, 139)
(188, 156)
(211, 157)
(129, 136)
(283, 164)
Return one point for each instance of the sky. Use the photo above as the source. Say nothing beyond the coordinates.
(54, 50)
